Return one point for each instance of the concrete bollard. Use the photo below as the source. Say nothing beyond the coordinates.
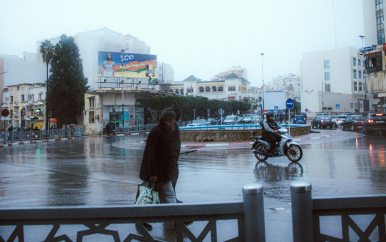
(254, 213)
(301, 203)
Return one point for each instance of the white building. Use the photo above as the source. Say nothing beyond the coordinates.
(165, 72)
(291, 84)
(90, 42)
(373, 20)
(331, 79)
(237, 70)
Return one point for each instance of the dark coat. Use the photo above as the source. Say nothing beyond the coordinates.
(161, 146)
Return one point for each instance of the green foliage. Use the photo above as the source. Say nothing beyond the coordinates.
(201, 104)
(67, 85)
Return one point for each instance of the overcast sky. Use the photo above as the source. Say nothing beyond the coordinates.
(200, 38)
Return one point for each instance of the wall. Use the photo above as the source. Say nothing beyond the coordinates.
(231, 135)
(369, 22)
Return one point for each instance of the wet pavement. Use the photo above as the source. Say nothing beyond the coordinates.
(101, 170)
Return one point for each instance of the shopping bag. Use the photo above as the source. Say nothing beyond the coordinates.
(146, 194)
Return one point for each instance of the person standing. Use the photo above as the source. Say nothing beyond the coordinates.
(175, 149)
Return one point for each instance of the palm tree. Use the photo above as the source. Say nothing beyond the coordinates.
(46, 49)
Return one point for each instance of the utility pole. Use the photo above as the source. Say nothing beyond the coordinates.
(262, 76)
(123, 93)
(322, 97)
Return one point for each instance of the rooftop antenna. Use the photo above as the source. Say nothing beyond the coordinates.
(333, 10)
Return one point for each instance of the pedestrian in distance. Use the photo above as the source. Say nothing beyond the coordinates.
(108, 128)
(158, 159)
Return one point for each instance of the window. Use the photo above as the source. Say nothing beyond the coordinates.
(359, 62)
(326, 64)
(327, 76)
(360, 86)
(356, 105)
(380, 27)
(355, 86)
(189, 90)
(355, 74)
(22, 98)
(373, 62)
(40, 96)
(214, 89)
(182, 91)
(361, 105)
(11, 99)
(207, 89)
(91, 102)
(351, 105)
(220, 89)
(176, 91)
(201, 89)
(91, 117)
(232, 88)
(327, 87)
(33, 97)
(171, 90)
(359, 74)
(354, 61)
(364, 74)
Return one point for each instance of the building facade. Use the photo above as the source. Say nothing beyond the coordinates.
(333, 82)
(375, 52)
(26, 104)
(165, 72)
(290, 84)
(237, 70)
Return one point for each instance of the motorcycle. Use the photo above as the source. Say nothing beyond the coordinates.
(287, 147)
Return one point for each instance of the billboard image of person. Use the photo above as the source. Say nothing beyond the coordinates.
(112, 64)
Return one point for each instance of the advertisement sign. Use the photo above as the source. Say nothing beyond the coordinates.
(111, 64)
(275, 98)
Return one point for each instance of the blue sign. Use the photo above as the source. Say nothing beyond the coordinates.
(270, 110)
(276, 107)
(337, 106)
(369, 48)
(290, 103)
(221, 111)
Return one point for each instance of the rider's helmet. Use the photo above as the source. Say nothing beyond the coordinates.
(270, 114)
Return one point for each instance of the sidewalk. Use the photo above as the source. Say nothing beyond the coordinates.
(34, 142)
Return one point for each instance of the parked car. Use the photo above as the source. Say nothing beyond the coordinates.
(338, 119)
(321, 114)
(247, 120)
(256, 119)
(239, 120)
(300, 119)
(211, 121)
(348, 113)
(220, 119)
(198, 122)
(322, 122)
(374, 122)
(354, 122)
(230, 120)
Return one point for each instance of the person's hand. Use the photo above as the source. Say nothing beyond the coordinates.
(153, 178)
(275, 131)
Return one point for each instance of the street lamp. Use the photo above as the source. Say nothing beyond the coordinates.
(46, 52)
(362, 37)
(262, 76)
(123, 94)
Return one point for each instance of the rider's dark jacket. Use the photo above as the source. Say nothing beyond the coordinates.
(270, 126)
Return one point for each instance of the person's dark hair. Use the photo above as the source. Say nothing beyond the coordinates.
(270, 114)
(109, 58)
(177, 110)
(168, 114)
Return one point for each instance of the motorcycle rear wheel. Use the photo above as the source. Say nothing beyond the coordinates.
(261, 148)
(294, 153)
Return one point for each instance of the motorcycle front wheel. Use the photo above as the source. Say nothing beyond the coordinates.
(294, 153)
(261, 148)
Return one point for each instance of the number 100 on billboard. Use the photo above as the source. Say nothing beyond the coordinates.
(111, 64)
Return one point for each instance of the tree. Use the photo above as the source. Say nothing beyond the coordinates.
(67, 85)
(46, 50)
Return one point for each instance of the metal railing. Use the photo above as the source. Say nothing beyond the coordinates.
(236, 126)
(20, 136)
(309, 213)
(137, 128)
(249, 214)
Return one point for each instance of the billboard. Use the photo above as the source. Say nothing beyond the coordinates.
(274, 99)
(112, 64)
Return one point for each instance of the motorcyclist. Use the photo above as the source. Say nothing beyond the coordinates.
(270, 132)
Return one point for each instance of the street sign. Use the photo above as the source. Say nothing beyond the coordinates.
(290, 103)
(208, 110)
(270, 110)
(221, 111)
(5, 118)
(337, 106)
(306, 110)
(276, 107)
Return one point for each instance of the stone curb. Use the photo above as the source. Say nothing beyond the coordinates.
(144, 132)
(244, 143)
(36, 141)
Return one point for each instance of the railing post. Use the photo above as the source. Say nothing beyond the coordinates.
(301, 204)
(254, 212)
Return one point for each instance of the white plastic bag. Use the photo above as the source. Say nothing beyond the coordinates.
(146, 194)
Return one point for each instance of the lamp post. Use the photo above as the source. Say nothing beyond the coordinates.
(45, 53)
(123, 93)
(262, 76)
(364, 76)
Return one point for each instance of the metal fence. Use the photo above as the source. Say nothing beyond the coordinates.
(137, 128)
(20, 136)
(332, 218)
(249, 215)
(236, 126)
(308, 218)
